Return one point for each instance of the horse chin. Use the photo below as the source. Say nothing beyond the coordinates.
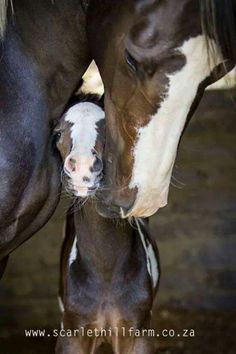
(78, 190)
(142, 211)
(81, 193)
(85, 192)
(107, 212)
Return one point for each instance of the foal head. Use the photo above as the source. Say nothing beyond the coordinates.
(80, 141)
(154, 62)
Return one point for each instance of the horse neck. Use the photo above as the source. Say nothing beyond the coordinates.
(53, 36)
(103, 244)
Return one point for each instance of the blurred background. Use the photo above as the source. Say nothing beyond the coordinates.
(195, 234)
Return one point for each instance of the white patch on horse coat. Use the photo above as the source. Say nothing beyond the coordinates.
(84, 117)
(73, 252)
(156, 147)
(152, 263)
(61, 305)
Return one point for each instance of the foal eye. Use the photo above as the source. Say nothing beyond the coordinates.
(57, 136)
(132, 63)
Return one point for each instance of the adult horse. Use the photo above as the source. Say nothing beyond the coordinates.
(43, 57)
(156, 57)
(155, 66)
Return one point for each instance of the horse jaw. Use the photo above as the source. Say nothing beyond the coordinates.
(156, 147)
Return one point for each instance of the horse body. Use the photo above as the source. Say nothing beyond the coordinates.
(109, 270)
(43, 57)
(155, 62)
(154, 76)
(105, 284)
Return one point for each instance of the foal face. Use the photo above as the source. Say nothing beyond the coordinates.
(154, 63)
(81, 146)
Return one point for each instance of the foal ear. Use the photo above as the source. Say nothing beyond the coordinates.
(101, 101)
(58, 124)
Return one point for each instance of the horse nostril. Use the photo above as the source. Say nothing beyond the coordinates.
(86, 179)
(97, 165)
(72, 163)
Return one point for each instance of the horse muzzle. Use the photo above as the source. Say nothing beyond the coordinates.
(112, 204)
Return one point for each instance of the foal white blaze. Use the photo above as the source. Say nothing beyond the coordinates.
(83, 118)
(157, 143)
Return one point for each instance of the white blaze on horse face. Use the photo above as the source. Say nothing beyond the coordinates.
(84, 117)
(61, 305)
(157, 143)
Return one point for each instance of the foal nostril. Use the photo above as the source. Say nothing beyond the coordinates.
(97, 165)
(86, 179)
(70, 165)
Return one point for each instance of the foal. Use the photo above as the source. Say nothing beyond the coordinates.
(109, 270)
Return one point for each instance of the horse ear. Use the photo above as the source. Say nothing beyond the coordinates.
(59, 124)
(80, 84)
(101, 101)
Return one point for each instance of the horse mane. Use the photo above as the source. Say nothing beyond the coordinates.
(3, 14)
(219, 22)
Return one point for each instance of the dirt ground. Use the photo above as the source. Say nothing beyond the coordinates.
(214, 334)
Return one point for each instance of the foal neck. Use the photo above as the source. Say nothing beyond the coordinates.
(103, 244)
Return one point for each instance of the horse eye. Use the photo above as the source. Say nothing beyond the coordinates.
(133, 64)
(57, 136)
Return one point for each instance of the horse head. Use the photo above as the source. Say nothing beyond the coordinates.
(154, 61)
(79, 137)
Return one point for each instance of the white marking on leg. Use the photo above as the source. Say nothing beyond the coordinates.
(156, 147)
(152, 263)
(61, 305)
(73, 253)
